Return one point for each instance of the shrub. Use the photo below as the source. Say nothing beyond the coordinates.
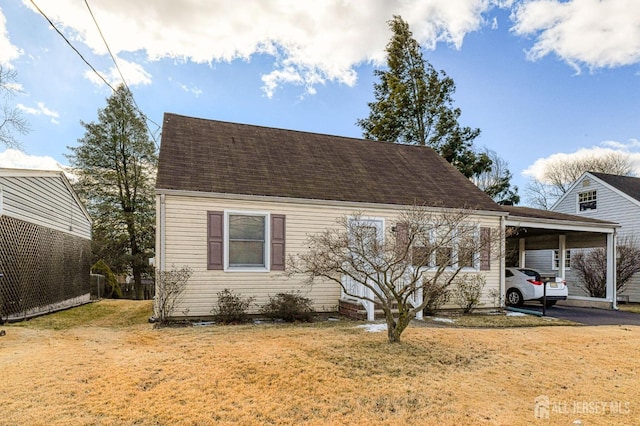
(435, 295)
(289, 307)
(170, 286)
(468, 291)
(231, 308)
(494, 294)
(112, 288)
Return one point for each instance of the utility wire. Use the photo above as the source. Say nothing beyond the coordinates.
(122, 76)
(72, 46)
(96, 71)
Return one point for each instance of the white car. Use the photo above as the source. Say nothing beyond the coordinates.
(524, 284)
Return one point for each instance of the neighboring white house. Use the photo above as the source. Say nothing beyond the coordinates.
(598, 196)
(234, 199)
(45, 244)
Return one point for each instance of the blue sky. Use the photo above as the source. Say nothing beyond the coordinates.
(540, 78)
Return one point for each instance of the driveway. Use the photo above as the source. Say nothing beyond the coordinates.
(589, 316)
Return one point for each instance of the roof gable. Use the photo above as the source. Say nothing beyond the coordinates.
(221, 157)
(625, 185)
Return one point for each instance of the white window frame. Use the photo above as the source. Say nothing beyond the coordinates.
(476, 253)
(555, 260)
(377, 222)
(267, 242)
(454, 252)
(594, 199)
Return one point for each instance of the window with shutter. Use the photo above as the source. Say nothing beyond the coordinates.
(277, 242)
(485, 249)
(245, 241)
(215, 231)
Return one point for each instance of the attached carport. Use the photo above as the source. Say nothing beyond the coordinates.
(533, 229)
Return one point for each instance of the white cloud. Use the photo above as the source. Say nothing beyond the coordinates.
(592, 33)
(132, 72)
(625, 146)
(14, 159)
(41, 109)
(631, 148)
(8, 52)
(311, 42)
(194, 90)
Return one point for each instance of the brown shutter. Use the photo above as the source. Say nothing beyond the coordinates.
(277, 242)
(215, 240)
(402, 237)
(485, 249)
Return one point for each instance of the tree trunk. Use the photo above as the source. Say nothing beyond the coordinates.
(396, 327)
(392, 333)
(137, 283)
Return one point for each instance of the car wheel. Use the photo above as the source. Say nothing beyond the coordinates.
(550, 303)
(514, 297)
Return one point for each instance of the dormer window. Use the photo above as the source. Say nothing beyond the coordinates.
(587, 201)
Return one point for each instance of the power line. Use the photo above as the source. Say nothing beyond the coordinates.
(146, 118)
(72, 46)
(121, 75)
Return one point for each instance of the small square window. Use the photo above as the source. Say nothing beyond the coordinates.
(587, 201)
(556, 259)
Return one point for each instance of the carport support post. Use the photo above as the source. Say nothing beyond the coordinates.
(611, 269)
(562, 256)
(521, 253)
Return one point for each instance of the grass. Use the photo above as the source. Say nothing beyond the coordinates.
(108, 313)
(500, 320)
(106, 365)
(629, 307)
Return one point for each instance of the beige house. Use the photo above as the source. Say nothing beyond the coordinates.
(233, 200)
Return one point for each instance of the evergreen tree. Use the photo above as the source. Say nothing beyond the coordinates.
(414, 105)
(115, 163)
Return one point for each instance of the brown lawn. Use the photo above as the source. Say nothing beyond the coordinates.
(116, 369)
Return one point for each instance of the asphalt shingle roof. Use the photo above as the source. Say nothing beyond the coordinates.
(220, 157)
(627, 184)
(528, 212)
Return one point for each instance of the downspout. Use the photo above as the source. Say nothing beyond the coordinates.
(503, 244)
(161, 228)
(615, 272)
(160, 240)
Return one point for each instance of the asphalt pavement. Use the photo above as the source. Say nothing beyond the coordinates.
(589, 316)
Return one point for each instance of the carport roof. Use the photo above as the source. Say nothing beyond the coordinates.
(535, 218)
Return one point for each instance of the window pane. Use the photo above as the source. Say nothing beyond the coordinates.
(467, 246)
(246, 227)
(420, 256)
(246, 253)
(465, 257)
(247, 240)
(587, 200)
(369, 235)
(443, 256)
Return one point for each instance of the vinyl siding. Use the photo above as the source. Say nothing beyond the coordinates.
(632, 289)
(613, 207)
(45, 201)
(185, 243)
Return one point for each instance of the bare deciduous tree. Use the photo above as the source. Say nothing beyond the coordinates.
(421, 255)
(591, 266)
(559, 174)
(11, 120)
